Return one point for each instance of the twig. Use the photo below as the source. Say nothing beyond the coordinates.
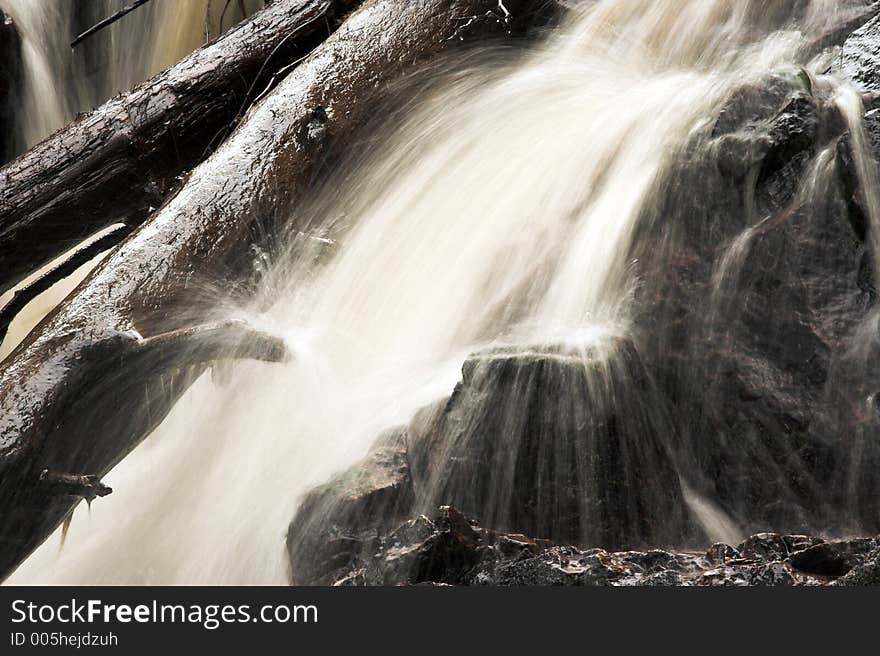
(223, 15)
(87, 486)
(79, 257)
(208, 22)
(246, 103)
(107, 21)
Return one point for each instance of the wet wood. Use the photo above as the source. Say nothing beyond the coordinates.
(119, 162)
(82, 392)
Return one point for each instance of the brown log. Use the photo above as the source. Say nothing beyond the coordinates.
(80, 392)
(120, 161)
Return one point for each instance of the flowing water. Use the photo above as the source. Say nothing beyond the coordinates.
(60, 81)
(501, 211)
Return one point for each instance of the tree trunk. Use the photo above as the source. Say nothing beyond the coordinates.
(120, 161)
(80, 392)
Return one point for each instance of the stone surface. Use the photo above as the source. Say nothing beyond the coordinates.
(572, 447)
(453, 549)
(569, 445)
(860, 55)
(753, 309)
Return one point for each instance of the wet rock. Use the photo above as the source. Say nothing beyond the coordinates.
(790, 142)
(865, 574)
(450, 548)
(860, 55)
(566, 445)
(756, 288)
(719, 553)
(774, 546)
(834, 558)
(337, 524)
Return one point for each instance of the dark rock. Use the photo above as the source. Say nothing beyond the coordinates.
(339, 521)
(567, 445)
(756, 288)
(865, 574)
(451, 548)
(834, 558)
(11, 76)
(860, 55)
(451, 553)
(774, 546)
(719, 553)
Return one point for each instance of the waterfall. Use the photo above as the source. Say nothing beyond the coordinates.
(502, 209)
(60, 81)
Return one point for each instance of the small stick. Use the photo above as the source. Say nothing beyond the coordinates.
(107, 21)
(87, 486)
(61, 270)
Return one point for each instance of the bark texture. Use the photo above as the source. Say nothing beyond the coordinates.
(79, 393)
(120, 161)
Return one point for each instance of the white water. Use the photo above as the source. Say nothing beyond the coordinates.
(503, 210)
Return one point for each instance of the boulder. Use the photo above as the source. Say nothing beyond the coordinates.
(572, 445)
(834, 558)
(757, 282)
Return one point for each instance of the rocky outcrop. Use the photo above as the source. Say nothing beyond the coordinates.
(571, 446)
(567, 444)
(757, 288)
(860, 55)
(752, 370)
(449, 548)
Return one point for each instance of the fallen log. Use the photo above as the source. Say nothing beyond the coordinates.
(78, 394)
(120, 161)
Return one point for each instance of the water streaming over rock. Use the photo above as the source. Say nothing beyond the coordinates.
(525, 219)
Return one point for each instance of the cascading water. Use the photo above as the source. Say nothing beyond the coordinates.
(60, 81)
(504, 215)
